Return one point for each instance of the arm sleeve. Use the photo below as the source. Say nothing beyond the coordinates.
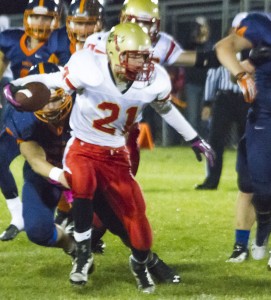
(52, 80)
(175, 119)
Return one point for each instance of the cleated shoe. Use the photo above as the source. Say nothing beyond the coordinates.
(142, 276)
(63, 218)
(258, 252)
(82, 265)
(239, 254)
(99, 247)
(161, 271)
(10, 233)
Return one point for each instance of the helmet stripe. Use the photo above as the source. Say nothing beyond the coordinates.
(41, 3)
(82, 5)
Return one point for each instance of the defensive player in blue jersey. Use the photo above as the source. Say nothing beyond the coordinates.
(42, 136)
(254, 157)
(23, 49)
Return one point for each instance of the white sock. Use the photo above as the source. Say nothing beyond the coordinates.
(15, 208)
(79, 237)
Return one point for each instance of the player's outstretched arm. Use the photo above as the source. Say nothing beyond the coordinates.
(176, 120)
(199, 59)
(36, 157)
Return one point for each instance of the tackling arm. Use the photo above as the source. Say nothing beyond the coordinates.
(36, 157)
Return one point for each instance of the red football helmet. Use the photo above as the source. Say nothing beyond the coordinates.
(41, 30)
(84, 18)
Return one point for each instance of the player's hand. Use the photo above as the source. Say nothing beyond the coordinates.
(247, 86)
(9, 91)
(200, 147)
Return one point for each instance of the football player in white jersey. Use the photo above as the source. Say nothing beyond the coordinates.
(112, 91)
(167, 50)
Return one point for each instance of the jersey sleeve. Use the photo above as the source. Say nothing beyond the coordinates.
(89, 74)
(167, 49)
(254, 28)
(163, 81)
(19, 124)
(8, 38)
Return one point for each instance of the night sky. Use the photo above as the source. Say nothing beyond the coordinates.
(14, 6)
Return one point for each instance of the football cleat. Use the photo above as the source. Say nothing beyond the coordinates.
(143, 278)
(80, 271)
(63, 218)
(72, 251)
(258, 252)
(83, 264)
(10, 233)
(239, 254)
(99, 247)
(161, 271)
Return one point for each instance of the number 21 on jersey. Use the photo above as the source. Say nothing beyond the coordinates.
(105, 124)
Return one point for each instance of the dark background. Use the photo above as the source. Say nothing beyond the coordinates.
(15, 6)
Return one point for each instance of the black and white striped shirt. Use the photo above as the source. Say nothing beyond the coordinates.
(218, 80)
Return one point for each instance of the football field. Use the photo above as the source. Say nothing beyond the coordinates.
(193, 232)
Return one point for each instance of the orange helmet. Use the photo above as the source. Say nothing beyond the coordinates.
(48, 8)
(62, 111)
(85, 12)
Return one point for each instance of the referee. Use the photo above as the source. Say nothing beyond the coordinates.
(225, 104)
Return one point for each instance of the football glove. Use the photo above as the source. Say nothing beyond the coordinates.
(247, 86)
(9, 91)
(200, 147)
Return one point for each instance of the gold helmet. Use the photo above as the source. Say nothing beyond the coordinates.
(49, 8)
(129, 50)
(84, 12)
(63, 109)
(143, 12)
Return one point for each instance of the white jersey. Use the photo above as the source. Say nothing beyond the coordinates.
(102, 114)
(165, 51)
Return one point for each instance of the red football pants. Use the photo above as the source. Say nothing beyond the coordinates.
(108, 169)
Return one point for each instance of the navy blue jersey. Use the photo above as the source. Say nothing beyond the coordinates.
(13, 43)
(61, 46)
(256, 28)
(24, 126)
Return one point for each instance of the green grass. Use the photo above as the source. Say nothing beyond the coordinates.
(193, 232)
